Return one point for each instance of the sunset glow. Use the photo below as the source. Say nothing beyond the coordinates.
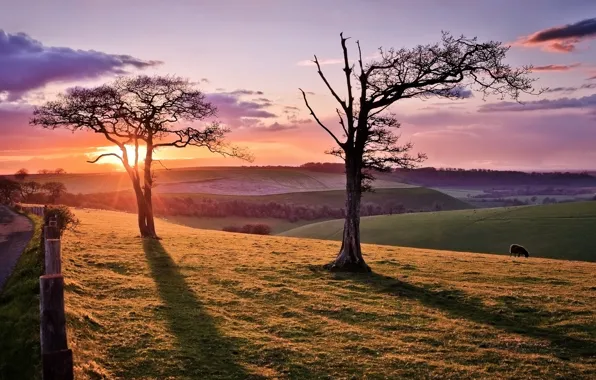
(251, 70)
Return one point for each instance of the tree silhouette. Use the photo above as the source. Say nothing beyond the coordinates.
(139, 111)
(21, 174)
(442, 70)
(55, 190)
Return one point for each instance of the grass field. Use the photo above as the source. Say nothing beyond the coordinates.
(413, 197)
(216, 180)
(277, 225)
(19, 314)
(561, 231)
(216, 305)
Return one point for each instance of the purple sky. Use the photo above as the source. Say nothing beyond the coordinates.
(249, 56)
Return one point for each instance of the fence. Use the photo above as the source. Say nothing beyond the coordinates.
(57, 362)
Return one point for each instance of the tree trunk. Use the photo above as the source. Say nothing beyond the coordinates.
(141, 211)
(147, 188)
(350, 257)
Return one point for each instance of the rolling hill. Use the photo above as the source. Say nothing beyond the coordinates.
(215, 305)
(560, 231)
(214, 180)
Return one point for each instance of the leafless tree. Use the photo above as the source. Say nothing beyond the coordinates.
(140, 111)
(21, 174)
(442, 70)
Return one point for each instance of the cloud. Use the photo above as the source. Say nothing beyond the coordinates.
(244, 92)
(533, 140)
(322, 62)
(231, 109)
(561, 39)
(27, 64)
(556, 67)
(587, 86)
(458, 92)
(544, 104)
(275, 127)
(291, 109)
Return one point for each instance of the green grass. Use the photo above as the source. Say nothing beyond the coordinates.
(412, 198)
(213, 305)
(19, 314)
(560, 231)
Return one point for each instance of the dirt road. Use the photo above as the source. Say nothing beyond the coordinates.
(15, 232)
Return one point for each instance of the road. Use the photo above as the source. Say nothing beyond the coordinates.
(15, 232)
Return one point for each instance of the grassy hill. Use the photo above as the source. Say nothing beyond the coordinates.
(214, 305)
(410, 197)
(561, 231)
(214, 180)
(414, 198)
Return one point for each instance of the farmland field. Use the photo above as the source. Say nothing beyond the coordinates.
(560, 231)
(214, 180)
(200, 304)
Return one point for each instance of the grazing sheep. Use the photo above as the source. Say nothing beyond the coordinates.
(517, 250)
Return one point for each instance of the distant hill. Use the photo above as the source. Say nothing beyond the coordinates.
(214, 180)
(560, 231)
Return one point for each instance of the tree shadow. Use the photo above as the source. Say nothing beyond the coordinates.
(512, 318)
(204, 352)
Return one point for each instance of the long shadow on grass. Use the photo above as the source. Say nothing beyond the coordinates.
(205, 353)
(520, 320)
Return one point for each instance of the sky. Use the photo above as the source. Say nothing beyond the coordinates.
(251, 57)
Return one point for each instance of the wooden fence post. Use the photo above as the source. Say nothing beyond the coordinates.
(57, 360)
(52, 256)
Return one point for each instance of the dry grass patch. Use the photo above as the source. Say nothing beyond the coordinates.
(214, 305)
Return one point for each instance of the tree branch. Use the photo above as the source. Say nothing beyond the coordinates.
(319, 121)
(106, 155)
(341, 102)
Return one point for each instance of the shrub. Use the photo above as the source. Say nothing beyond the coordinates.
(246, 229)
(261, 229)
(231, 229)
(66, 219)
(257, 229)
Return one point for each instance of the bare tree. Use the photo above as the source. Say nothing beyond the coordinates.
(21, 174)
(442, 70)
(135, 112)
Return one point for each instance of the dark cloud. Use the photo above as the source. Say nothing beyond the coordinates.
(26, 64)
(562, 39)
(544, 104)
(291, 108)
(275, 127)
(457, 92)
(588, 86)
(205, 80)
(556, 67)
(245, 92)
(231, 109)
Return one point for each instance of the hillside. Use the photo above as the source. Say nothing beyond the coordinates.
(561, 231)
(216, 305)
(281, 211)
(214, 180)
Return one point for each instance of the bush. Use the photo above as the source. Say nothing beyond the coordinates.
(257, 229)
(261, 229)
(231, 229)
(66, 219)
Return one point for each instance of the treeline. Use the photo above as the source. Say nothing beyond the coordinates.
(493, 178)
(212, 207)
(497, 193)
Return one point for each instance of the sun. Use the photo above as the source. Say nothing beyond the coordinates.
(114, 161)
